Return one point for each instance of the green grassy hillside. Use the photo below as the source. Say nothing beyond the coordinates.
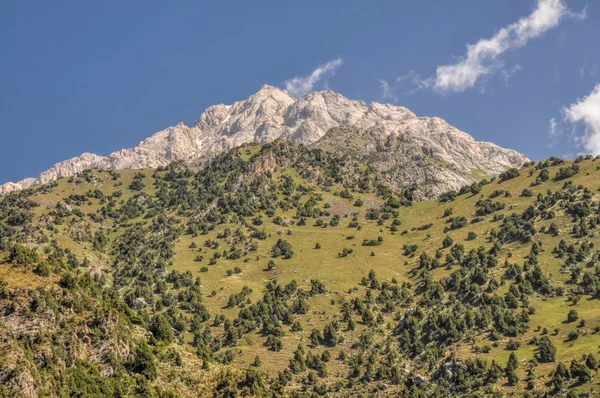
(280, 270)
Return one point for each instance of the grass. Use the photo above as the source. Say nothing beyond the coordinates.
(342, 275)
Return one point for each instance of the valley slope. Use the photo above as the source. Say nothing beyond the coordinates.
(287, 270)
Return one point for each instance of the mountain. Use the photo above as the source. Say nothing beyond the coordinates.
(287, 270)
(427, 154)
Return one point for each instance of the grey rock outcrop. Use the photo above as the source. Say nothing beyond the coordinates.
(425, 154)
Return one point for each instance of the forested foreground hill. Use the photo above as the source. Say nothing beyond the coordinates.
(280, 270)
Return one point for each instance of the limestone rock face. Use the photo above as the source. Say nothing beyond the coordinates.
(16, 186)
(69, 167)
(425, 154)
(396, 139)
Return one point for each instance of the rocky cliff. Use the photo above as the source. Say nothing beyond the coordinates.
(427, 155)
(424, 152)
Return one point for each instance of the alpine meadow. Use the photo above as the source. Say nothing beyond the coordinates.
(287, 270)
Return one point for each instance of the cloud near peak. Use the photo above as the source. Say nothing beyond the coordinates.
(586, 111)
(301, 85)
(484, 57)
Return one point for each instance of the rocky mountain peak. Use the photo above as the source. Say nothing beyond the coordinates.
(213, 116)
(272, 113)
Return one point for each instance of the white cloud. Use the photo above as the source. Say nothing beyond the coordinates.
(301, 85)
(484, 57)
(587, 111)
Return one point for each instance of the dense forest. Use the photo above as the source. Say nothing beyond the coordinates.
(281, 270)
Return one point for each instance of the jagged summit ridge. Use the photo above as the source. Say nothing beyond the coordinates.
(272, 113)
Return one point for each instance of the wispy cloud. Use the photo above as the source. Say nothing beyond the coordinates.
(554, 132)
(506, 74)
(301, 85)
(484, 57)
(388, 92)
(562, 38)
(416, 80)
(412, 79)
(586, 111)
(591, 70)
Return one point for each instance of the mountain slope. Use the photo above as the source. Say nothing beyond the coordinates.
(426, 155)
(272, 113)
(284, 270)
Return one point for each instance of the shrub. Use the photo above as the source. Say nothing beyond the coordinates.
(143, 361)
(137, 185)
(22, 255)
(456, 222)
(546, 350)
(345, 252)
(543, 176)
(161, 328)
(282, 248)
(566, 172)
(513, 345)
(527, 193)
(447, 242)
(508, 174)
(409, 249)
(572, 316)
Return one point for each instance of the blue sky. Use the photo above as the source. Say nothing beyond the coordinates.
(80, 76)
